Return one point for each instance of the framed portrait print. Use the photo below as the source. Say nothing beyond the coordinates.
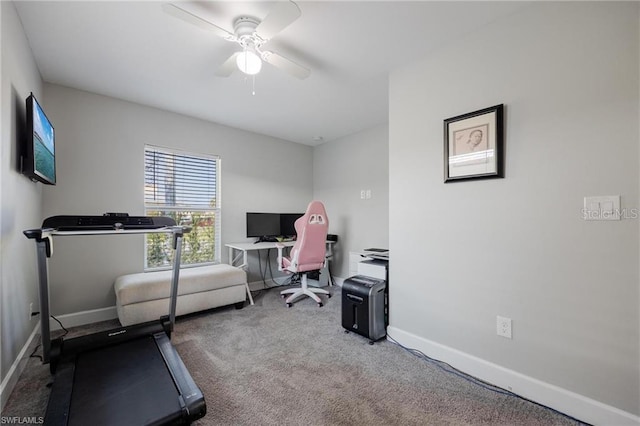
(474, 145)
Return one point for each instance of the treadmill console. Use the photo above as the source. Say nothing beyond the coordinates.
(106, 222)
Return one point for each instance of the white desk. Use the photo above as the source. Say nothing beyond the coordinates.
(238, 252)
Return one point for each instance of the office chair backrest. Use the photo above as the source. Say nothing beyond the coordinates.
(308, 252)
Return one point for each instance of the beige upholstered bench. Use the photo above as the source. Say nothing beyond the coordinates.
(145, 296)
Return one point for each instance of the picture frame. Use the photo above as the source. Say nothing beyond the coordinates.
(474, 145)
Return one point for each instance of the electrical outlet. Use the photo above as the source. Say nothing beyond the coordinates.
(30, 311)
(504, 327)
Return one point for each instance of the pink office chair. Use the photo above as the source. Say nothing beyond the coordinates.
(308, 253)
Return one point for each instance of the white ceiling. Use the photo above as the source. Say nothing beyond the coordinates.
(135, 51)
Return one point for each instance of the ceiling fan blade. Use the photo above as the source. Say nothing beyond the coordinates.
(286, 65)
(180, 13)
(280, 17)
(228, 67)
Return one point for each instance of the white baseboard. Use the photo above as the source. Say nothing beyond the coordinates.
(18, 366)
(84, 317)
(562, 400)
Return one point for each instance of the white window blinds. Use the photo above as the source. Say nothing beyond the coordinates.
(175, 179)
(186, 187)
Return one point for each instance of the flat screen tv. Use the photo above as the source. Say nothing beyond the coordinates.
(39, 154)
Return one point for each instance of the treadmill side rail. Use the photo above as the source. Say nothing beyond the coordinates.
(193, 398)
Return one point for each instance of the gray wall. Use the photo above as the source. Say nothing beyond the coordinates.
(100, 144)
(20, 198)
(465, 252)
(341, 170)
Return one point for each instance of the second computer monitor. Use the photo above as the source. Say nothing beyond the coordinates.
(287, 221)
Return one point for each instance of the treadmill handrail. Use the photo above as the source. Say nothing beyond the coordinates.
(43, 239)
(41, 233)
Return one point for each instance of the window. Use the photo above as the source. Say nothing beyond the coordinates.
(186, 187)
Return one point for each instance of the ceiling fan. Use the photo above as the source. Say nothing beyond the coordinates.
(251, 34)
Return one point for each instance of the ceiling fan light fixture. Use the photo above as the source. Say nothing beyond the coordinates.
(248, 62)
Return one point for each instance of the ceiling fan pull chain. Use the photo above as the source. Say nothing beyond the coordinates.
(253, 89)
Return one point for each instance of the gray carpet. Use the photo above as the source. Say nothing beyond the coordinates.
(268, 364)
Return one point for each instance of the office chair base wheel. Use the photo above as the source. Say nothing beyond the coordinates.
(320, 305)
(329, 296)
(289, 305)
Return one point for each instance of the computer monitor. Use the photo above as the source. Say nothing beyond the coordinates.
(287, 221)
(263, 225)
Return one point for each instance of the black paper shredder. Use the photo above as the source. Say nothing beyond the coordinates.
(363, 306)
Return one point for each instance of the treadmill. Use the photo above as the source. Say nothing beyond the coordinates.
(125, 376)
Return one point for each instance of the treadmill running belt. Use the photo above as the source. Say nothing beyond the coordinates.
(125, 384)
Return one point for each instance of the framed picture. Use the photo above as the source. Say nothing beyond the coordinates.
(474, 145)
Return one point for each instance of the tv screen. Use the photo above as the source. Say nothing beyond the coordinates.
(287, 221)
(39, 159)
(263, 225)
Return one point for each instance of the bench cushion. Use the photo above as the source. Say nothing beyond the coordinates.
(146, 286)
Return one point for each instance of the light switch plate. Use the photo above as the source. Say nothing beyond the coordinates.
(606, 207)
